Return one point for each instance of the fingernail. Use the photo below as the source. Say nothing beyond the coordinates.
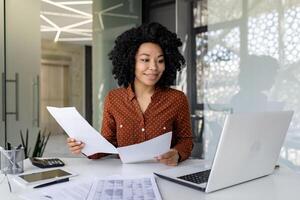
(78, 142)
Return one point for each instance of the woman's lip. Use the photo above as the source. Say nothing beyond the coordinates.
(151, 76)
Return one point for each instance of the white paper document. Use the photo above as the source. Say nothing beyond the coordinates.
(141, 188)
(64, 191)
(146, 150)
(119, 188)
(77, 127)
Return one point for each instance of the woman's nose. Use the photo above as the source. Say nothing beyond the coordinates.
(153, 65)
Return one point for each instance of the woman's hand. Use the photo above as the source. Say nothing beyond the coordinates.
(75, 146)
(170, 158)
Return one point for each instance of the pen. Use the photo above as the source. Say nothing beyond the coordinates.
(52, 183)
(8, 182)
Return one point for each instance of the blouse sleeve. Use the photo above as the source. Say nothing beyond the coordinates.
(108, 129)
(183, 130)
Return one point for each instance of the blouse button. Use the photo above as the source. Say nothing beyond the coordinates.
(121, 126)
(143, 129)
(164, 128)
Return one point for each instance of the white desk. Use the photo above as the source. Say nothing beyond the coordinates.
(283, 184)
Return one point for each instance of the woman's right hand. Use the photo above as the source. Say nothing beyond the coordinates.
(75, 146)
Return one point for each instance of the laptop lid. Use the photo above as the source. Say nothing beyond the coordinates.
(248, 148)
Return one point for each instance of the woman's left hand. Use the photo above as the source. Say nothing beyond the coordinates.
(170, 158)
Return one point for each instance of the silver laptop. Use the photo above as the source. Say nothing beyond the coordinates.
(248, 148)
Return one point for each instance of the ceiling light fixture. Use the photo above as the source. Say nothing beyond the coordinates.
(64, 15)
(78, 33)
(75, 39)
(67, 8)
(57, 36)
(49, 22)
(74, 2)
(51, 29)
(120, 15)
(100, 13)
(71, 28)
(77, 24)
(106, 12)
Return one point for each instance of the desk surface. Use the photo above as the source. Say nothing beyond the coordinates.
(282, 184)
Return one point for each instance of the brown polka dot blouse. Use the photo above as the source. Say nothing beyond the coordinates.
(125, 124)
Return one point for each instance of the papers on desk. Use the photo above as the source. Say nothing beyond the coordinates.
(77, 127)
(63, 191)
(143, 187)
(125, 188)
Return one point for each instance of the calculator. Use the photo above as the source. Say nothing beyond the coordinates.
(47, 162)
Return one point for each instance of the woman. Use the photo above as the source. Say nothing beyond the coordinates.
(145, 61)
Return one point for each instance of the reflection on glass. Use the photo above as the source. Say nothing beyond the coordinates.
(200, 13)
(218, 65)
(224, 11)
(263, 33)
(257, 76)
(221, 67)
(201, 50)
(291, 37)
(111, 18)
(251, 60)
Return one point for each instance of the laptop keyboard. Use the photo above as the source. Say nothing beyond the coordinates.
(199, 177)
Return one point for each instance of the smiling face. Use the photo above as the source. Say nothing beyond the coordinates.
(149, 64)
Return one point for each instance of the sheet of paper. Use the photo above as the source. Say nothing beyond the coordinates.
(77, 127)
(146, 150)
(125, 188)
(63, 191)
(113, 187)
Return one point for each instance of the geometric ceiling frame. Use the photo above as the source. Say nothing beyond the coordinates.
(106, 12)
(79, 17)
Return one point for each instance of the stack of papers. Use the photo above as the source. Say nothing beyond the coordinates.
(143, 187)
(63, 191)
(77, 127)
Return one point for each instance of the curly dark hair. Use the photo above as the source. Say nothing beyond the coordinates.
(128, 43)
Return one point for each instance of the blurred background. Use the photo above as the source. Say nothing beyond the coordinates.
(242, 56)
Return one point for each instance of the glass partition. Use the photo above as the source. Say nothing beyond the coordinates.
(110, 19)
(250, 63)
(19, 67)
(2, 123)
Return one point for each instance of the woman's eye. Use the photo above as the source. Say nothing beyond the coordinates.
(144, 60)
(161, 61)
